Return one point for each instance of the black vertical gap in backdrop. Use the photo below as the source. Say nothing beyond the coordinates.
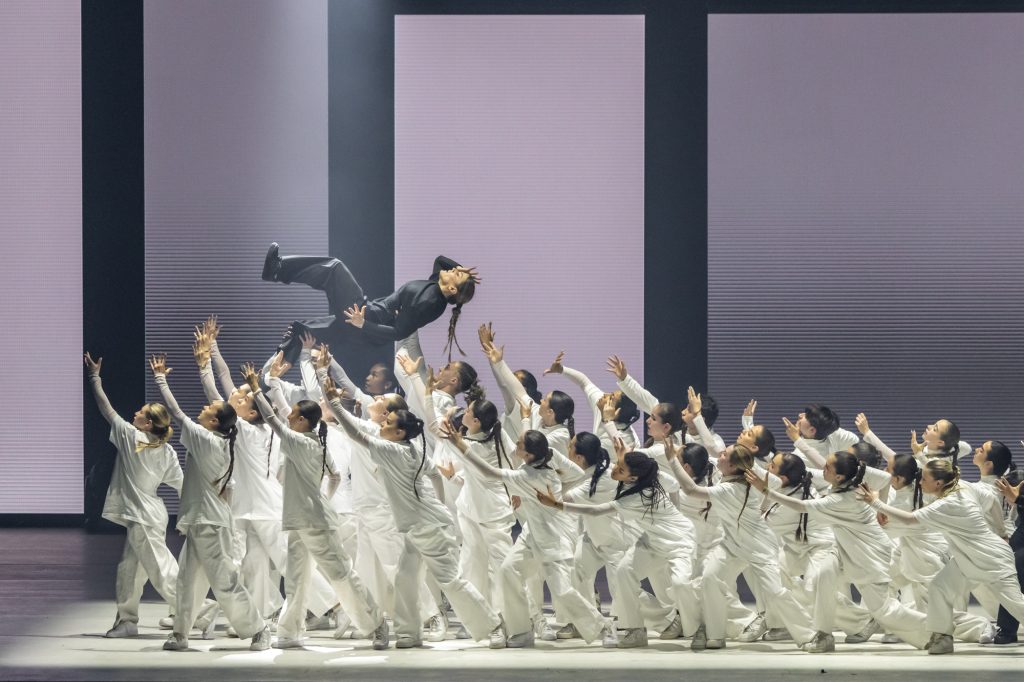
(361, 128)
(113, 219)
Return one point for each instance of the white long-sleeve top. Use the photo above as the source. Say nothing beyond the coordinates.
(923, 552)
(864, 548)
(980, 554)
(736, 507)
(256, 493)
(665, 530)
(544, 531)
(990, 502)
(207, 459)
(403, 470)
(339, 452)
(784, 521)
(838, 441)
(305, 465)
(138, 470)
(604, 530)
(593, 395)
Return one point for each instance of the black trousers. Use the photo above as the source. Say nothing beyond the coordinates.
(332, 277)
(1005, 621)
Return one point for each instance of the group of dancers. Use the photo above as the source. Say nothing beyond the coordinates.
(394, 502)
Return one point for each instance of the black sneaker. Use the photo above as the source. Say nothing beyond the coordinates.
(271, 264)
(1004, 638)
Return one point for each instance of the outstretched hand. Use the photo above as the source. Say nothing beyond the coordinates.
(409, 366)
(866, 494)
(693, 402)
(750, 409)
(355, 315)
(323, 358)
(617, 367)
(758, 483)
(251, 376)
(1009, 492)
(93, 366)
(452, 434)
(792, 430)
(556, 366)
(158, 363)
(916, 446)
(279, 367)
(471, 271)
(331, 390)
(308, 340)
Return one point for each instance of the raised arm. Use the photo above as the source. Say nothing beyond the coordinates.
(310, 384)
(220, 368)
(93, 368)
(869, 437)
(804, 448)
(511, 390)
(158, 363)
(263, 405)
(870, 496)
(644, 399)
(201, 353)
(483, 467)
(590, 390)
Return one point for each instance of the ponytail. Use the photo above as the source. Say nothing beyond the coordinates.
(851, 469)
(907, 468)
(647, 484)
(321, 432)
(452, 339)
(231, 435)
(270, 450)
(588, 446)
(412, 426)
(161, 428)
(805, 492)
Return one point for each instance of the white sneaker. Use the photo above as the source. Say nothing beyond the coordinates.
(318, 623)
(342, 624)
(499, 638)
(408, 642)
(261, 640)
(568, 631)
(210, 628)
(463, 633)
(635, 637)
(942, 644)
(700, 639)
(610, 637)
(822, 643)
(716, 644)
(231, 632)
(889, 638)
(381, 636)
(206, 621)
(674, 629)
(437, 628)
(123, 629)
(176, 642)
(864, 635)
(167, 622)
(754, 630)
(988, 635)
(288, 643)
(543, 630)
(520, 641)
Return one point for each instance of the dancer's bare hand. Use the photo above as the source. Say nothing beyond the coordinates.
(617, 367)
(93, 366)
(355, 315)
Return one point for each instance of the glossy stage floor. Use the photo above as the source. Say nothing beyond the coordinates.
(56, 599)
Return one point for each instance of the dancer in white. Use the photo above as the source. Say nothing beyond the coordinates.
(144, 461)
(312, 524)
(979, 556)
(424, 523)
(206, 522)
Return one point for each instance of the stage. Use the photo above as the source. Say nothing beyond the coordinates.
(57, 590)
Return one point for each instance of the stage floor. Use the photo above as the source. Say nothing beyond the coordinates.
(56, 593)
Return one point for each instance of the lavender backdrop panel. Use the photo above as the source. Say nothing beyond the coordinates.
(866, 220)
(236, 157)
(519, 148)
(41, 220)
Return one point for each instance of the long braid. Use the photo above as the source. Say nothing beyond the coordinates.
(270, 449)
(805, 486)
(321, 433)
(226, 478)
(452, 339)
(423, 461)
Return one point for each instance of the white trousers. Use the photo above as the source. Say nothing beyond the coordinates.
(948, 588)
(435, 548)
(207, 562)
(720, 573)
(576, 609)
(640, 561)
(484, 547)
(894, 617)
(589, 560)
(324, 547)
(145, 557)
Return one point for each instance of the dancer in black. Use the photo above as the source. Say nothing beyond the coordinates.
(381, 320)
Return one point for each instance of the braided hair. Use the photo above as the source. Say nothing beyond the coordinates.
(226, 427)
(588, 446)
(647, 485)
(906, 467)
